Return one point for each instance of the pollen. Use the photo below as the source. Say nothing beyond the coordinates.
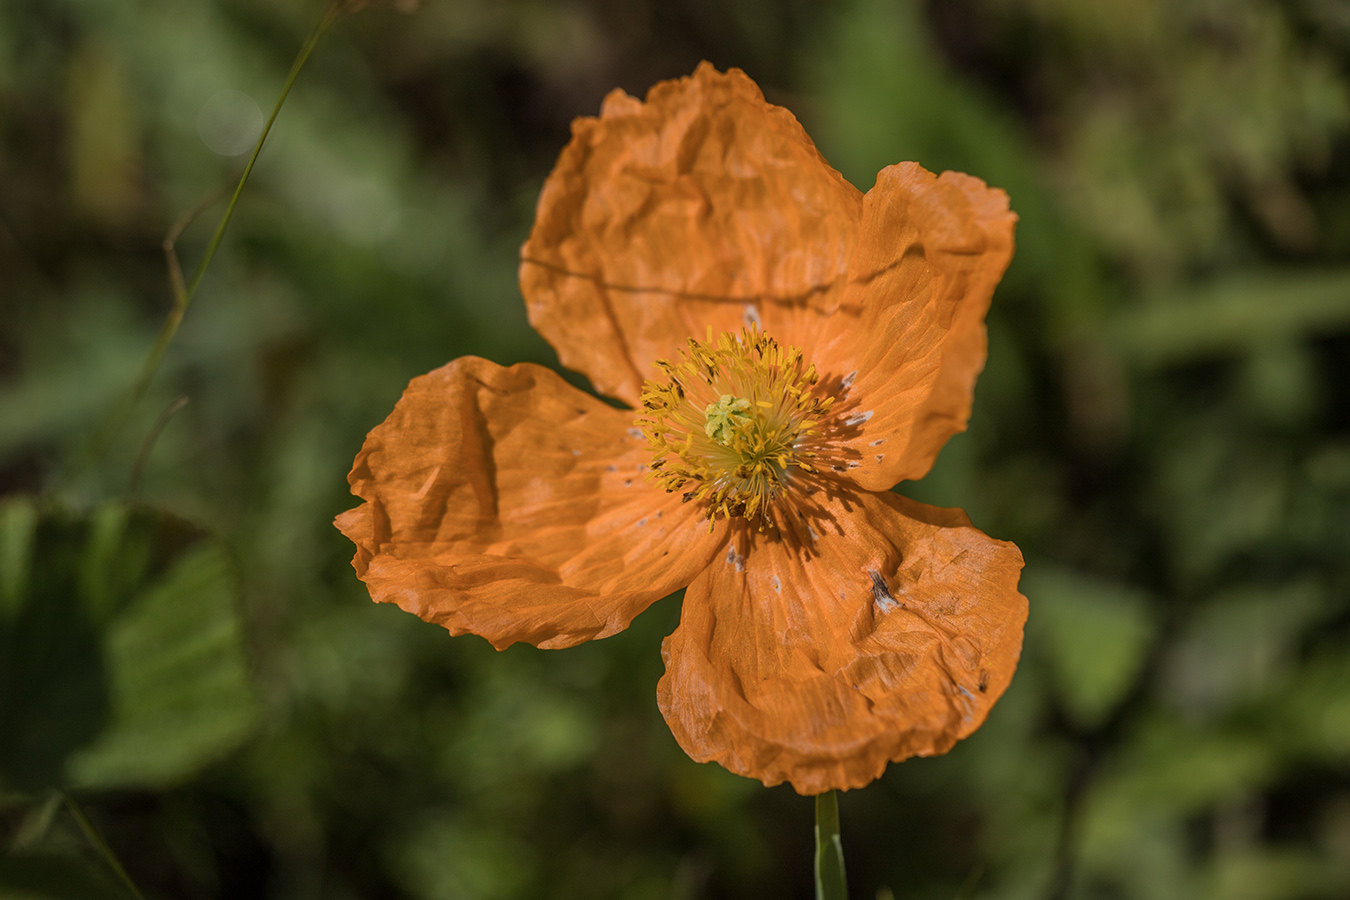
(734, 424)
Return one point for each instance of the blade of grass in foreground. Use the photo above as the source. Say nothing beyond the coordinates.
(184, 293)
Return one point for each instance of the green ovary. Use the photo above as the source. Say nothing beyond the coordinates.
(725, 418)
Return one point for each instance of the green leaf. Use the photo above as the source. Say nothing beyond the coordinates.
(1239, 645)
(446, 856)
(1260, 873)
(1311, 716)
(53, 688)
(1147, 795)
(121, 660)
(1233, 315)
(1174, 768)
(180, 689)
(1093, 634)
(1218, 493)
(18, 521)
(52, 877)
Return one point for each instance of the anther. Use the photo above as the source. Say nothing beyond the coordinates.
(733, 423)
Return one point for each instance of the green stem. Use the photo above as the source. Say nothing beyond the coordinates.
(301, 58)
(138, 467)
(830, 881)
(36, 824)
(183, 294)
(96, 839)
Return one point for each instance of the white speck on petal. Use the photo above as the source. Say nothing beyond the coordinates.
(735, 559)
(811, 531)
(777, 584)
(751, 315)
(849, 379)
(637, 432)
(426, 485)
(878, 442)
(858, 418)
(880, 457)
(576, 452)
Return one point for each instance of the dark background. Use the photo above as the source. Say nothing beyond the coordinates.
(1163, 427)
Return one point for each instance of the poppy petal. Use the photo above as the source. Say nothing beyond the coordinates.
(506, 503)
(703, 207)
(874, 633)
(908, 338)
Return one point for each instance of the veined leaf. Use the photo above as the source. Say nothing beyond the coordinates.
(120, 649)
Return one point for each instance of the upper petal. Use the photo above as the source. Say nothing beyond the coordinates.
(908, 338)
(881, 631)
(703, 206)
(504, 502)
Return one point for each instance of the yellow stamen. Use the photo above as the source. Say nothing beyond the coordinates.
(734, 422)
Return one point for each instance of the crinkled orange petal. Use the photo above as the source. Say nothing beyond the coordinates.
(882, 631)
(505, 503)
(703, 206)
(908, 338)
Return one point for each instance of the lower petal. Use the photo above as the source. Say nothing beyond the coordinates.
(878, 630)
(505, 503)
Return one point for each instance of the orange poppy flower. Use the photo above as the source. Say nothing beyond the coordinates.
(790, 348)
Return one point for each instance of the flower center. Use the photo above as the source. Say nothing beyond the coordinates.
(725, 418)
(733, 422)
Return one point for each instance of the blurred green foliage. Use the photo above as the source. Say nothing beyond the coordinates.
(123, 663)
(1163, 427)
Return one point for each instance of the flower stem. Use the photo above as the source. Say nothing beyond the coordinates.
(36, 824)
(183, 293)
(96, 839)
(329, 16)
(830, 881)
